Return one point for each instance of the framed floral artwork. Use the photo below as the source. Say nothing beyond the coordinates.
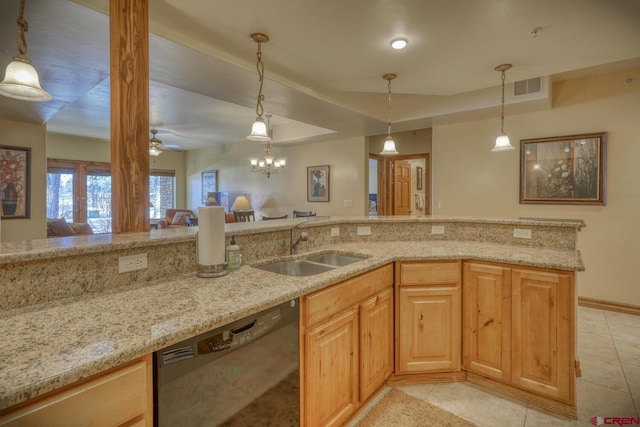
(564, 169)
(14, 181)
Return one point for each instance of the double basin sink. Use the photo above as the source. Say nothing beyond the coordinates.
(314, 264)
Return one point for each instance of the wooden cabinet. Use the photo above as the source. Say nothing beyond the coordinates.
(121, 396)
(347, 334)
(519, 328)
(428, 314)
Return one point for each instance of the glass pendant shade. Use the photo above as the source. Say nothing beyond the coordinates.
(155, 151)
(389, 146)
(259, 131)
(503, 143)
(21, 82)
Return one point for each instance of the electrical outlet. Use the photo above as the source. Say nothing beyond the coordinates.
(348, 203)
(335, 231)
(522, 233)
(132, 263)
(437, 229)
(364, 231)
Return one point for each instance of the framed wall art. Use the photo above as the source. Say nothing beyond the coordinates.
(14, 181)
(209, 183)
(318, 183)
(564, 169)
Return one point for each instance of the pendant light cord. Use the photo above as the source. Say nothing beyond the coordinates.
(502, 114)
(260, 68)
(23, 26)
(389, 110)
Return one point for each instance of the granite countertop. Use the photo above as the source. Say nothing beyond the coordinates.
(47, 346)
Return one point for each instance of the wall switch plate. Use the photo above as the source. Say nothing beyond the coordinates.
(437, 229)
(364, 231)
(348, 203)
(335, 231)
(522, 233)
(440, 204)
(132, 263)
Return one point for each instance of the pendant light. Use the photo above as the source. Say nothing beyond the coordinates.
(268, 165)
(155, 145)
(389, 143)
(502, 141)
(21, 79)
(259, 128)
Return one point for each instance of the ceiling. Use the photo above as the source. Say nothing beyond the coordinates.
(323, 64)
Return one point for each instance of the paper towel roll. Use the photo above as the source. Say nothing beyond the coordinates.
(211, 243)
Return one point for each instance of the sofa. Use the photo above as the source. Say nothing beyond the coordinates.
(59, 227)
(175, 218)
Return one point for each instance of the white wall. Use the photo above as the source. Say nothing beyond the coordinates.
(284, 192)
(17, 134)
(470, 179)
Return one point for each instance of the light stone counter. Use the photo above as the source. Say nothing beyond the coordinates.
(53, 342)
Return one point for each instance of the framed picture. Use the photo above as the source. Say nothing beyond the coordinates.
(564, 169)
(14, 181)
(418, 178)
(209, 183)
(318, 183)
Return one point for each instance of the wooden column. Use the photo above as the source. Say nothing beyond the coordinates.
(129, 38)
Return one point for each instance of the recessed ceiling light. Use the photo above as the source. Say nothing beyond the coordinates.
(399, 43)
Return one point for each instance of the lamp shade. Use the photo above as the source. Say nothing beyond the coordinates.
(389, 146)
(503, 143)
(241, 203)
(21, 82)
(259, 131)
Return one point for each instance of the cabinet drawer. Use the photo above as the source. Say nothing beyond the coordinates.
(423, 273)
(336, 299)
(111, 399)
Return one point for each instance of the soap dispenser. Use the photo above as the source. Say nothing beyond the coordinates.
(234, 258)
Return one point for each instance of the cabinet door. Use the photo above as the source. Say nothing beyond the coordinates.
(331, 370)
(487, 320)
(376, 342)
(543, 333)
(429, 329)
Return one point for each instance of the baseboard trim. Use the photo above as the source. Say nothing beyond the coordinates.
(609, 305)
(427, 378)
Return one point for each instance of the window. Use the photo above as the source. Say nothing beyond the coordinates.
(81, 192)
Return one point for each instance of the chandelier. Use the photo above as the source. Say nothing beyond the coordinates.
(268, 164)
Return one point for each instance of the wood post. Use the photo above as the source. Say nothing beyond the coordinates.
(129, 45)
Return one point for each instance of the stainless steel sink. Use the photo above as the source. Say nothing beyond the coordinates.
(335, 259)
(295, 268)
(311, 265)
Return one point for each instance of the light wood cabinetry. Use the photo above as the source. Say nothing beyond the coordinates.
(119, 397)
(428, 313)
(347, 337)
(519, 328)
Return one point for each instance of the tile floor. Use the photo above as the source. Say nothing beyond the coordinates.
(609, 349)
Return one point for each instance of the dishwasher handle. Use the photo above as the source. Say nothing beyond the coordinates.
(244, 328)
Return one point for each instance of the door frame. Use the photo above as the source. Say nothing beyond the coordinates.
(385, 190)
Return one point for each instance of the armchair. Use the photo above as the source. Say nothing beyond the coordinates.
(176, 217)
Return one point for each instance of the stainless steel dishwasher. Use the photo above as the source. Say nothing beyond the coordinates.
(242, 374)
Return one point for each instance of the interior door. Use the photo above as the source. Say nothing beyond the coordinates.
(401, 187)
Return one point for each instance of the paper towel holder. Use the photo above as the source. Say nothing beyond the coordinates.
(208, 271)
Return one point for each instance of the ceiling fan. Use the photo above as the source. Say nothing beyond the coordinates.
(156, 147)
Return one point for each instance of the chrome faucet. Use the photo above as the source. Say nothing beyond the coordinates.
(304, 236)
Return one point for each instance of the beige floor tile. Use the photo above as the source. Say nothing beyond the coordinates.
(596, 400)
(621, 331)
(478, 405)
(365, 410)
(603, 372)
(628, 352)
(592, 321)
(540, 418)
(597, 345)
(421, 391)
(628, 319)
(632, 374)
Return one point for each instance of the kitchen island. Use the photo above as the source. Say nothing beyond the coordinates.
(89, 318)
